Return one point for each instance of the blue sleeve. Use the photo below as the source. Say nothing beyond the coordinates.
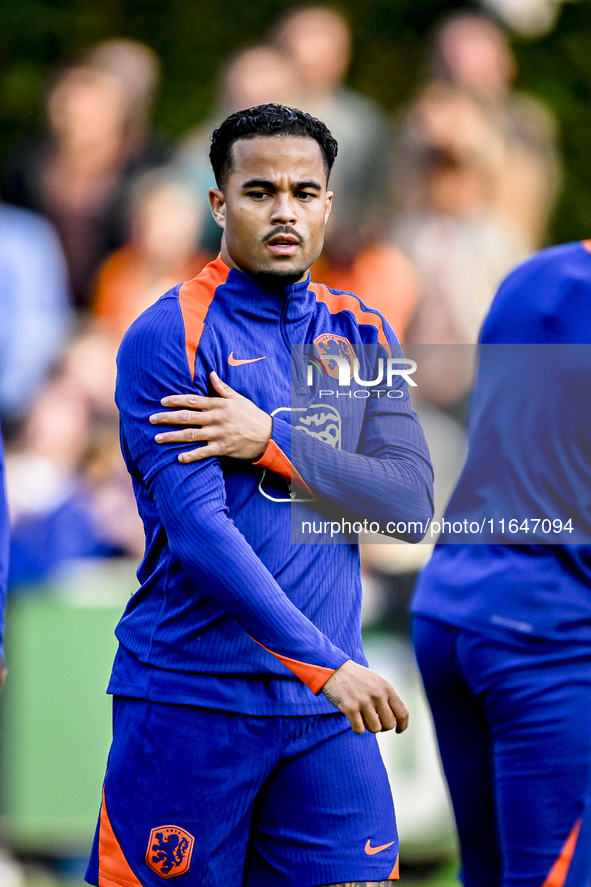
(191, 504)
(4, 543)
(388, 479)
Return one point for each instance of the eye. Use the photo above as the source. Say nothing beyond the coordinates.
(305, 195)
(258, 195)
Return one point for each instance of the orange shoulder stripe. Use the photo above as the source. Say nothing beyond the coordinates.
(587, 245)
(313, 676)
(195, 297)
(275, 460)
(336, 302)
(113, 866)
(559, 871)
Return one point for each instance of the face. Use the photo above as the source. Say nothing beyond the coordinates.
(273, 207)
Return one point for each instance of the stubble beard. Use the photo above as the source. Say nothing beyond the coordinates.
(279, 279)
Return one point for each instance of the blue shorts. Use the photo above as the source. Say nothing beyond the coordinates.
(513, 723)
(217, 798)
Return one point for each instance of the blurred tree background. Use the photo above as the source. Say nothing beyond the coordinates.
(194, 37)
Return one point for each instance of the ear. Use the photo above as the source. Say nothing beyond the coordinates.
(327, 205)
(217, 202)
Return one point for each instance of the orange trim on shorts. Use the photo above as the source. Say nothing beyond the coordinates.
(559, 871)
(195, 298)
(587, 245)
(336, 302)
(395, 873)
(313, 676)
(113, 866)
(275, 460)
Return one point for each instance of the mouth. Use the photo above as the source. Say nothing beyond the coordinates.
(283, 244)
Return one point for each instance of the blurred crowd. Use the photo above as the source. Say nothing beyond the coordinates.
(100, 216)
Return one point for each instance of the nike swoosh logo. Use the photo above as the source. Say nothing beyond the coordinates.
(238, 363)
(371, 850)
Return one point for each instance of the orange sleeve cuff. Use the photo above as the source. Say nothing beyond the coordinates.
(275, 460)
(313, 676)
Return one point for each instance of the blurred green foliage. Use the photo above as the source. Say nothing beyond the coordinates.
(194, 37)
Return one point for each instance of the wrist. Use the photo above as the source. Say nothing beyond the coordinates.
(265, 440)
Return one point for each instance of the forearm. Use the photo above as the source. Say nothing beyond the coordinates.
(222, 564)
(394, 487)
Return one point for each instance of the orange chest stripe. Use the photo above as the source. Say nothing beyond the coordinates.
(336, 302)
(195, 298)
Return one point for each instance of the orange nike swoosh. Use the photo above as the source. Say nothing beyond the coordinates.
(371, 850)
(236, 363)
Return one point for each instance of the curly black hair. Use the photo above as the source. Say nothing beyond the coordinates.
(267, 120)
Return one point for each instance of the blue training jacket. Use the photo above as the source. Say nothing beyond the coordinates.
(231, 614)
(529, 456)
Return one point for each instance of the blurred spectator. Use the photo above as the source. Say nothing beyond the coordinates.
(33, 306)
(473, 53)
(317, 41)
(77, 176)
(166, 222)
(68, 492)
(137, 67)
(452, 234)
(383, 278)
(255, 76)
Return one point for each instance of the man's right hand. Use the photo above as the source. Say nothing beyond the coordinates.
(3, 673)
(366, 699)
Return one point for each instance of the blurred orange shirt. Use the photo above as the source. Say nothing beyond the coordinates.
(382, 277)
(127, 285)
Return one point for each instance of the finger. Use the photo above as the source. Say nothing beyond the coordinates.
(199, 454)
(401, 712)
(179, 417)
(386, 715)
(189, 401)
(356, 721)
(221, 387)
(184, 435)
(371, 719)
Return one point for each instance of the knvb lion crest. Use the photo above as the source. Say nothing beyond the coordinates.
(169, 850)
(329, 345)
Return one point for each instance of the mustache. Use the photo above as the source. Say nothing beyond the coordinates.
(283, 229)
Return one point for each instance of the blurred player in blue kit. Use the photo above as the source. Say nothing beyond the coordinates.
(244, 711)
(4, 547)
(503, 632)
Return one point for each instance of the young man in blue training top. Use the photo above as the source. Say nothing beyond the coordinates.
(229, 762)
(503, 632)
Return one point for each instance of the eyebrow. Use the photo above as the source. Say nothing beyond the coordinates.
(270, 186)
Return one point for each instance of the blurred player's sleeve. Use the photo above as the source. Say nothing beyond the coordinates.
(4, 542)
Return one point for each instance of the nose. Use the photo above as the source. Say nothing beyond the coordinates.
(284, 210)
